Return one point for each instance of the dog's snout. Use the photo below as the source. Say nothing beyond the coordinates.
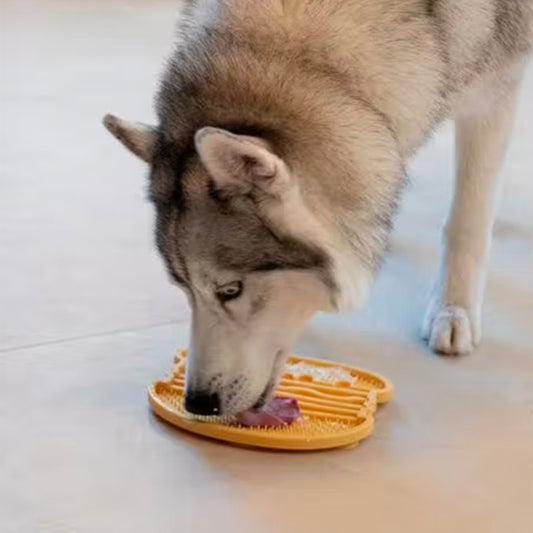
(202, 403)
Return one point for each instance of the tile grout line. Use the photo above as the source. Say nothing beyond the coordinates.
(90, 336)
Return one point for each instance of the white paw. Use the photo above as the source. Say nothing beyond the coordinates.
(450, 329)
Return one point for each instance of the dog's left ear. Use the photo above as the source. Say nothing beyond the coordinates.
(138, 138)
(239, 163)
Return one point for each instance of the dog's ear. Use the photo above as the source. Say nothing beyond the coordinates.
(136, 137)
(240, 164)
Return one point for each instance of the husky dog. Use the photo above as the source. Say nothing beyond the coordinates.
(284, 127)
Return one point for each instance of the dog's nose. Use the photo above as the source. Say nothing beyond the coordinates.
(202, 403)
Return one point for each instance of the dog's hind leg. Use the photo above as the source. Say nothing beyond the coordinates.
(452, 324)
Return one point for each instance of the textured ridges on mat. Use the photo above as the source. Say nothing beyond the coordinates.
(337, 403)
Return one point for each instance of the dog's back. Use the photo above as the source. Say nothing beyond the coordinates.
(296, 61)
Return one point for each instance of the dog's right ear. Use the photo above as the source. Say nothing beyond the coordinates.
(138, 138)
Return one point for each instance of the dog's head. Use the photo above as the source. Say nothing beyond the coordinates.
(252, 257)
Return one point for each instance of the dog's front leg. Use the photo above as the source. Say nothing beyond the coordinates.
(452, 324)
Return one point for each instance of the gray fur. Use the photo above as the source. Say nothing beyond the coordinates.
(211, 228)
(341, 92)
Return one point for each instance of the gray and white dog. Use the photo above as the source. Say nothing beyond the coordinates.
(279, 157)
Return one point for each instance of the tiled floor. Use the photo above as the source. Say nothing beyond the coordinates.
(87, 320)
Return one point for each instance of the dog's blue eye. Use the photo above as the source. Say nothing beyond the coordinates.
(229, 291)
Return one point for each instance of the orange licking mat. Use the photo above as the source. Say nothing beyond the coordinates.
(337, 403)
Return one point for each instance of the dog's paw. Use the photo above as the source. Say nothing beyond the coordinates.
(450, 329)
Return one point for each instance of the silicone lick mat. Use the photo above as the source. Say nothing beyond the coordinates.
(337, 404)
